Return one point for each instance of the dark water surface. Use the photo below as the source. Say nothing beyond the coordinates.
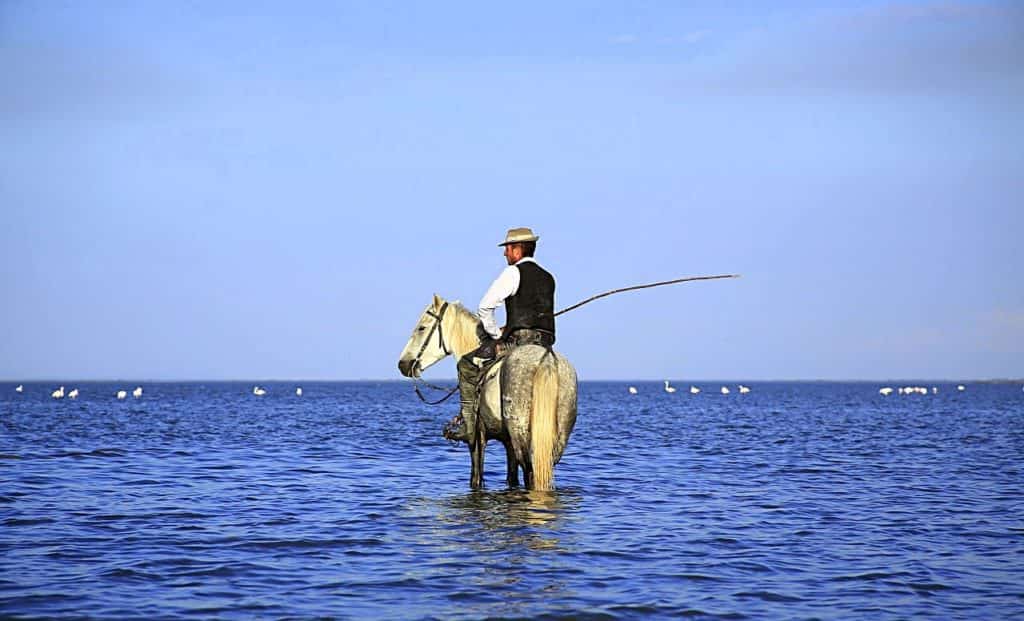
(797, 500)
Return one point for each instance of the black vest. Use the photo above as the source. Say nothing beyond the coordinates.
(533, 304)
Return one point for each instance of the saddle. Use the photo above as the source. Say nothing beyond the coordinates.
(529, 336)
(518, 338)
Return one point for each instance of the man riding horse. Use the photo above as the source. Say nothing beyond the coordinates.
(528, 292)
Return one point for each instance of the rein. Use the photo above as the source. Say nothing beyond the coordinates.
(440, 341)
(417, 381)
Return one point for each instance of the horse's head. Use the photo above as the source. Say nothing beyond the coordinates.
(427, 344)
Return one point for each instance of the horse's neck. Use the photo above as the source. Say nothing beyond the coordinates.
(462, 335)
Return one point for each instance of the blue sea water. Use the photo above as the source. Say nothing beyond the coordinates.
(795, 501)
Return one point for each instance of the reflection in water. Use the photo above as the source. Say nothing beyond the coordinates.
(493, 541)
(510, 519)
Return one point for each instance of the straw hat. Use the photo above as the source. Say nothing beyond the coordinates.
(517, 236)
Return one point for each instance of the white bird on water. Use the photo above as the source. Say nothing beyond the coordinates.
(259, 392)
(694, 390)
(725, 390)
(632, 390)
(744, 389)
(961, 388)
(886, 391)
(58, 394)
(298, 392)
(121, 394)
(20, 388)
(669, 388)
(73, 394)
(137, 392)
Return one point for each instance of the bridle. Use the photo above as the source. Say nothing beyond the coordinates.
(438, 317)
(440, 334)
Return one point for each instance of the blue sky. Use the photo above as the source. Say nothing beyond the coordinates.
(274, 190)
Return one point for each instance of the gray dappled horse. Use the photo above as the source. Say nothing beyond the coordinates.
(527, 400)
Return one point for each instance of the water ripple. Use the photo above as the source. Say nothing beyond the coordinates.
(794, 501)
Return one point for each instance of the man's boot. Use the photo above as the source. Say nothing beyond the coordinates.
(463, 427)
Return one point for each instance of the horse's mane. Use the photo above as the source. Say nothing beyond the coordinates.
(464, 336)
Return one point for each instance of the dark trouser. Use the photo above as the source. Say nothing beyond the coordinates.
(469, 393)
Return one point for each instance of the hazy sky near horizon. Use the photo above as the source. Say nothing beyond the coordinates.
(239, 190)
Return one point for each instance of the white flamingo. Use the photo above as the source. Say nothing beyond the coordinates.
(632, 390)
(669, 388)
(259, 392)
(137, 392)
(58, 394)
(694, 390)
(121, 394)
(725, 390)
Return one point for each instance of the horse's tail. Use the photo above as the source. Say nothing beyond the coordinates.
(542, 421)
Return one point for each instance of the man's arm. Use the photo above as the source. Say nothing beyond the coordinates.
(506, 284)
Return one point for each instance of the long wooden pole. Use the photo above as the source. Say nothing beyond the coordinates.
(653, 284)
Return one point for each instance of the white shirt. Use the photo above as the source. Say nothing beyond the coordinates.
(505, 285)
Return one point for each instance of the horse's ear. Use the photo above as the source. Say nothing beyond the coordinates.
(437, 301)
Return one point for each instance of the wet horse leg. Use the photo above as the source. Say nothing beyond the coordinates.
(476, 454)
(512, 472)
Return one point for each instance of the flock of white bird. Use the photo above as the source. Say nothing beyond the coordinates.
(914, 390)
(73, 393)
(669, 388)
(137, 393)
(886, 391)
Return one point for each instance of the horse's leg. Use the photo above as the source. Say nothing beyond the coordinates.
(527, 475)
(512, 471)
(475, 476)
(476, 452)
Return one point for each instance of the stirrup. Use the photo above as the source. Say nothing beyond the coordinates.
(455, 430)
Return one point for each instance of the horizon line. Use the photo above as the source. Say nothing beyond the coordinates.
(453, 379)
